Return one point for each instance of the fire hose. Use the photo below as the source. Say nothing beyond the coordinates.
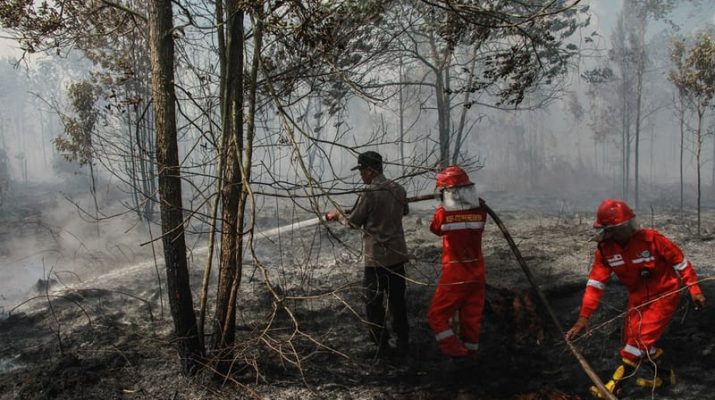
(314, 221)
(584, 364)
(530, 277)
(522, 263)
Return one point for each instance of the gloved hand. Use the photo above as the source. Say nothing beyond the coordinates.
(332, 215)
(581, 324)
(698, 301)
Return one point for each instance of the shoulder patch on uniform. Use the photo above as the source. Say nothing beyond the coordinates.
(615, 260)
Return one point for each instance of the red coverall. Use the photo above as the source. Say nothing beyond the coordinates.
(462, 283)
(649, 267)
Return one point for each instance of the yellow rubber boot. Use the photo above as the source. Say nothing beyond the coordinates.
(661, 375)
(649, 383)
(624, 371)
(658, 382)
(667, 373)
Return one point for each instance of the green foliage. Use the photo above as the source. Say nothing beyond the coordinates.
(523, 45)
(76, 142)
(61, 24)
(333, 46)
(694, 70)
(325, 48)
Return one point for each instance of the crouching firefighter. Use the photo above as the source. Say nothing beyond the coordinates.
(651, 267)
(459, 219)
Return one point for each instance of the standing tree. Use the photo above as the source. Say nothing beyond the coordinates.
(622, 54)
(490, 54)
(679, 102)
(76, 144)
(232, 192)
(161, 45)
(328, 50)
(694, 77)
(639, 12)
(74, 22)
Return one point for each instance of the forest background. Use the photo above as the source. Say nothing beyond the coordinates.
(193, 125)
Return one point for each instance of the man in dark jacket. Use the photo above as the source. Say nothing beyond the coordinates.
(378, 213)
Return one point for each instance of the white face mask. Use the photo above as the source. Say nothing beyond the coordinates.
(460, 198)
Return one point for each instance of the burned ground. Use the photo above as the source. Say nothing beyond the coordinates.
(109, 337)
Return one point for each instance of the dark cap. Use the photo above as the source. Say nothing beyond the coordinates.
(369, 159)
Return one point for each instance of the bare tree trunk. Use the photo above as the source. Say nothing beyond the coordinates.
(93, 192)
(651, 151)
(626, 93)
(221, 39)
(312, 151)
(230, 256)
(466, 107)
(162, 61)
(245, 152)
(148, 167)
(698, 151)
(402, 122)
(712, 177)
(131, 167)
(625, 129)
(639, 96)
(442, 98)
(443, 117)
(624, 156)
(682, 146)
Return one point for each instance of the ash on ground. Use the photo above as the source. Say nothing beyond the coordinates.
(110, 336)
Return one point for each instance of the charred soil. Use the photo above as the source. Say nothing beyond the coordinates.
(110, 336)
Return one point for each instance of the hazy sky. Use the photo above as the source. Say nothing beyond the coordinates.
(603, 15)
(605, 11)
(8, 48)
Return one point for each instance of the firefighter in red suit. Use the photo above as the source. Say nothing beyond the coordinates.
(651, 268)
(459, 219)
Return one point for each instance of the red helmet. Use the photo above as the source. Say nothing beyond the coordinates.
(613, 212)
(453, 176)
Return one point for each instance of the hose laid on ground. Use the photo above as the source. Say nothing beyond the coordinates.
(581, 359)
(584, 364)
